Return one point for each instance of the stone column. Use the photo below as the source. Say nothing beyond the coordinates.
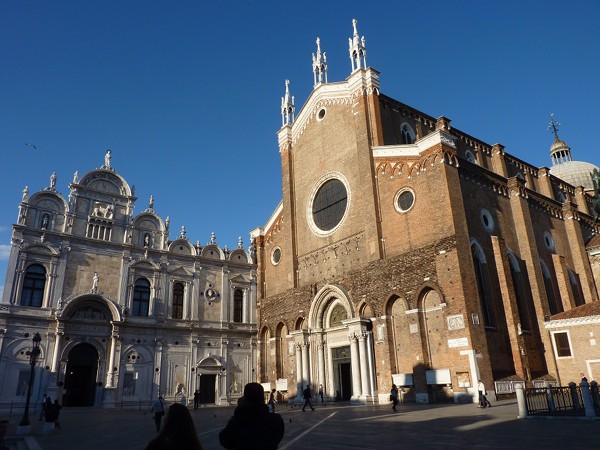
(111, 361)
(321, 362)
(355, 367)
(157, 366)
(364, 374)
(299, 369)
(305, 365)
(57, 348)
(371, 362)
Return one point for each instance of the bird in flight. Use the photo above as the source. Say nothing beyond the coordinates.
(31, 145)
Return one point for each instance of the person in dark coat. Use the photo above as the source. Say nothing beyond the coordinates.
(252, 427)
(196, 399)
(307, 394)
(178, 433)
(52, 413)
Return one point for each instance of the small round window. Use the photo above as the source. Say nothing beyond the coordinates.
(549, 241)
(487, 220)
(405, 200)
(329, 204)
(321, 114)
(276, 256)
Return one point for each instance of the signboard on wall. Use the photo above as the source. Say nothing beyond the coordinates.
(460, 342)
(281, 385)
(439, 376)
(402, 379)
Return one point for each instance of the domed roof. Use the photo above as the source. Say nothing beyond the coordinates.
(576, 173)
(558, 144)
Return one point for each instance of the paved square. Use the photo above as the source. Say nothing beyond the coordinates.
(339, 426)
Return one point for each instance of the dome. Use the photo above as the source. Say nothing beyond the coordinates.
(576, 173)
(558, 144)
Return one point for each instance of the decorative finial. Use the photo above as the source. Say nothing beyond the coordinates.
(358, 52)
(287, 106)
(240, 243)
(182, 232)
(76, 177)
(168, 222)
(319, 64)
(53, 180)
(553, 127)
(25, 194)
(213, 238)
(151, 203)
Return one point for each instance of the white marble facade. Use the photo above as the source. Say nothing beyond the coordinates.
(124, 311)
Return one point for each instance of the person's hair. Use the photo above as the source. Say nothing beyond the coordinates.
(254, 394)
(179, 429)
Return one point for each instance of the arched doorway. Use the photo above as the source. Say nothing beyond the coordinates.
(80, 379)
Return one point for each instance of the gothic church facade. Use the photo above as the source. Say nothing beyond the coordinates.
(407, 251)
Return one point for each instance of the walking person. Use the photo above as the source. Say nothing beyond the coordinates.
(179, 432)
(483, 401)
(183, 400)
(394, 396)
(272, 401)
(53, 413)
(158, 408)
(252, 427)
(196, 399)
(307, 394)
(321, 393)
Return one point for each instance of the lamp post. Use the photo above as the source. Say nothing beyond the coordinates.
(33, 356)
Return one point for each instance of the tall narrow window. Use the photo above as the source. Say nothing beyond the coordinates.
(177, 312)
(520, 292)
(141, 298)
(553, 304)
(576, 288)
(482, 290)
(562, 345)
(33, 286)
(238, 305)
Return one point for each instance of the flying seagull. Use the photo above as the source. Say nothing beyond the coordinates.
(31, 145)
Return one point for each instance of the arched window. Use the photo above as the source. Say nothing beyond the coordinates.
(482, 289)
(576, 288)
(407, 134)
(33, 286)
(141, 298)
(177, 310)
(553, 304)
(238, 305)
(520, 292)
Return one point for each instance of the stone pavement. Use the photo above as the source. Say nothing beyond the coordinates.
(338, 426)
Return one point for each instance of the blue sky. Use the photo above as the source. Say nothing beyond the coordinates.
(187, 94)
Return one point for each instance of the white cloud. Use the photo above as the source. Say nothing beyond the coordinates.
(4, 252)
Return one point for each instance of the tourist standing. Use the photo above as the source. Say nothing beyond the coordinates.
(52, 412)
(321, 393)
(45, 402)
(252, 427)
(179, 432)
(158, 408)
(196, 399)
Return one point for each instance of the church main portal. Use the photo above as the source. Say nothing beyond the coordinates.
(80, 379)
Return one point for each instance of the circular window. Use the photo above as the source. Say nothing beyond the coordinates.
(487, 220)
(276, 256)
(549, 241)
(321, 114)
(405, 199)
(329, 205)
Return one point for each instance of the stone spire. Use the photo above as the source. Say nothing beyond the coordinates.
(287, 106)
(358, 52)
(319, 64)
(240, 243)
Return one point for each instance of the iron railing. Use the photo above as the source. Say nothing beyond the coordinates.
(555, 401)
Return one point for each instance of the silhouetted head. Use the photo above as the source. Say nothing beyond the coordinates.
(254, 394)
